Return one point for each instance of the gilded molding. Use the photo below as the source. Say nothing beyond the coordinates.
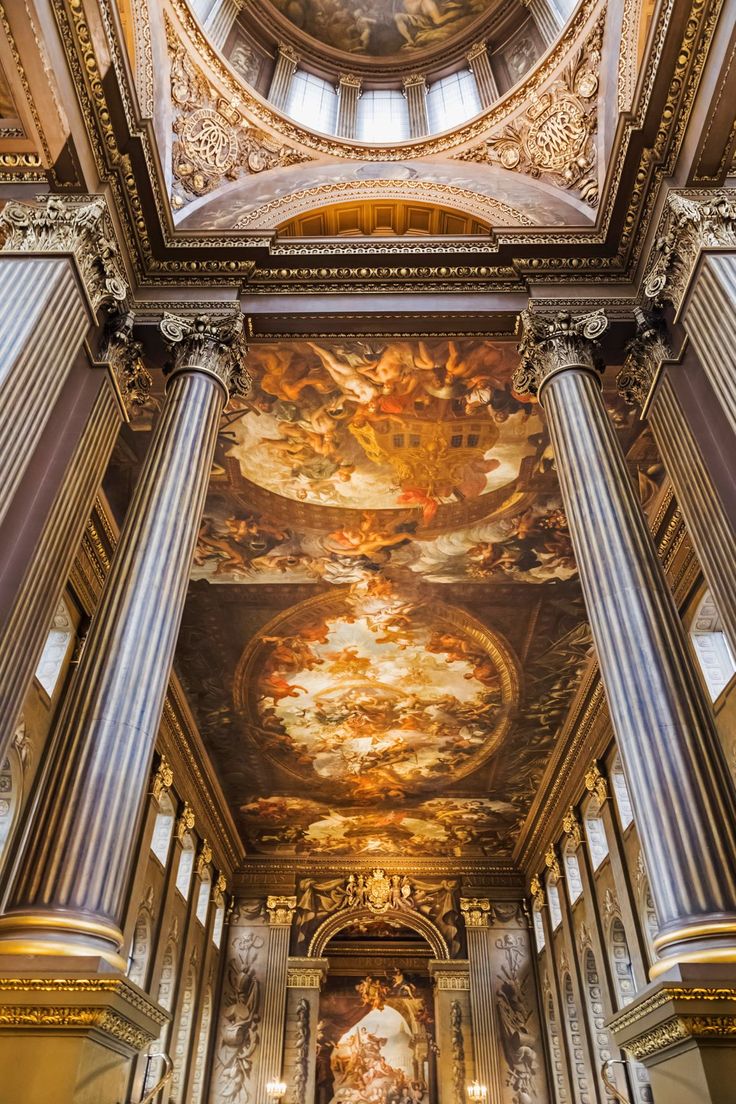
(204, 858)
(549, 345)
(101, 1019)
(537, 893)
(304, 978)
(79, 225)
(476, 911)
(691, 222)
(451, 981)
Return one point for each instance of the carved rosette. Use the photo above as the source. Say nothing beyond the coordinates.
(476, 911)
(280, 910)
(549, 345)
(644, 357)
(79, 225)
(691, 222)
(162, 780)
(125, 358)
(215, 346)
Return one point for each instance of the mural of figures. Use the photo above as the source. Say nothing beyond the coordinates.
(381, 27)
(375, 1036)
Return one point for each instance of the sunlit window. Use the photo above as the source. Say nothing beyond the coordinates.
(186, 865)
(203, 900)
(312, 101)
(572, 870)
(712, 650)
(56, 649)
(163, 829)
(595, 831)
(452, 100)
(555, 912)
(538, 929)
(218, 925)
(383, 116)
(621, 792)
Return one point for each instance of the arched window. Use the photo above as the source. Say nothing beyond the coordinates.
(621, 793)
(555, 911)
(595, 833)
(203, 897)
(575, 1041)
(623, 973)
(538, 928)
(166, 993)
(711, 646)
(163, 828)
(218, 925)
(186, 866)
(180, 1053)
(56, 650)
(572, 871)
(312, 101)
(596, 1012)
(203, 1038)
(141, 949)
(451, 100)
(11, 789)
(555, 1052)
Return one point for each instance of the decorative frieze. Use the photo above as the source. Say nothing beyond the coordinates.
(76, 225)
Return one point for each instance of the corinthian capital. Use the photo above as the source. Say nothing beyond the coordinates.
(124, 355)
(213, 345)
(691, 221)
(644, 356)
(79, 225)
(550, 345)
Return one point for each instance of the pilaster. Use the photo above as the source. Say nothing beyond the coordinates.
(479, 64)
(415, 91)
(349, 89)
(453, 1028)
(286, 63)
(280, 911)
(476, 913)
(546, 19)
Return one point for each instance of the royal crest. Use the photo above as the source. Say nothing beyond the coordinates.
(378, 891)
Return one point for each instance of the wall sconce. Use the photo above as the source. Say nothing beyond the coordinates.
(275, 1090)
(478, 1094)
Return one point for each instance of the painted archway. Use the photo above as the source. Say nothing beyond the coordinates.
(346, 918)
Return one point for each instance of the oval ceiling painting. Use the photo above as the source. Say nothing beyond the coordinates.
(385, 425)
(366, 692)
(381, 27)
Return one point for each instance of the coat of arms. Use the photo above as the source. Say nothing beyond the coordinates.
(378, 891)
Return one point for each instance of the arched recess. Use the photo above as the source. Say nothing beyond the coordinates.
(388, 217)
(414, 920)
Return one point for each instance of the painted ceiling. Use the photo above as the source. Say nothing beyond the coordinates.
(380, 28)
(384, 629)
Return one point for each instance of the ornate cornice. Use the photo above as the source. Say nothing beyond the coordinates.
(691, 222)
(549, 345)
(683, 1022)
(76, 225)
(209, 344)
(101, 1019)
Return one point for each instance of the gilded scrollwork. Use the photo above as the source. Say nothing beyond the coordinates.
(213, 141)
(554, 138)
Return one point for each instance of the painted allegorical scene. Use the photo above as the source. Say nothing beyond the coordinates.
(381, 27)
(375, 1039)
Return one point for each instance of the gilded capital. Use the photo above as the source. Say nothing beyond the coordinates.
(549, 345)
(415, 80)
(280, 910)
(595, 782)
(214, 345)
(162, 780)
(572, 828)
(288, 52)
(691, 221)
(125, 358)
(476, 911)
(477, 50)
(644, 357)
(79, 225)
(185, 821)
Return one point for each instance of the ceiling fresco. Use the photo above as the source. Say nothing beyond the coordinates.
(384, 629)
(381, 27)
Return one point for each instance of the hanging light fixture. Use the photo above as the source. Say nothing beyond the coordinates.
(478, 1094)
(275, 1090)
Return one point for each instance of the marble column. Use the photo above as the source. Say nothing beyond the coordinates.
(68, 897)
(415, 91)
(348, 91)
(286, 62)
(644, 381)
(683, 799)
(694, 268)
(280, 915)
(546, 19)
(479, 64)
(476, 913)
(48, 302)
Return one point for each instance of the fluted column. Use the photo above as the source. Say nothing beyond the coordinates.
(47, 303)
(280, 915)
(546, 19)
(348, 91)
(286, 62)
(476, 912)
(682, 797)
(220, 20)
(69, 894)
(644, 381)
(415, 91)
(479, 64)
(694, 268)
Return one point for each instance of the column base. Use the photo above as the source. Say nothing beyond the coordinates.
(69, 1030)
(682, 1027)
